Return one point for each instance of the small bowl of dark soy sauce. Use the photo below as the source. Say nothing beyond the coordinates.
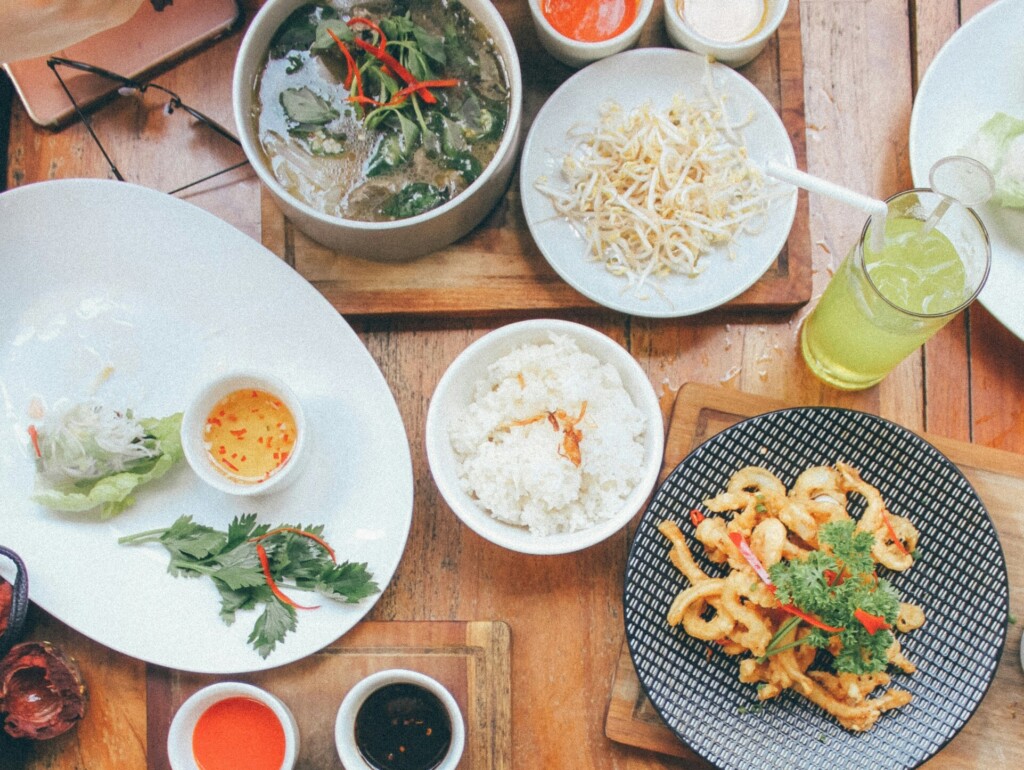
(399, 720)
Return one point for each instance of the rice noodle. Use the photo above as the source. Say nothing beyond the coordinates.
(652, 192)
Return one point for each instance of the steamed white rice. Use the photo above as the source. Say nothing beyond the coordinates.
(520, 473)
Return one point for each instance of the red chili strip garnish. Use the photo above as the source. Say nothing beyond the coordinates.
(265, 564)
(381, 39)
(397, 67)
(892, 533)
(873, 623)
(351, 68)
(792, 609)
(751, 558)
(34, 435)
(315, 538)
(696, 517)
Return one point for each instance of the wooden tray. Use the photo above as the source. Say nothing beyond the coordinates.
(498, 267)
(700, 412)
(471, 659)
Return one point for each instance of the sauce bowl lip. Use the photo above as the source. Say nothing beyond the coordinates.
(198, 409)
(245, 77)
(344, 725)
(673, 18)
(593, 48)
(179, 736)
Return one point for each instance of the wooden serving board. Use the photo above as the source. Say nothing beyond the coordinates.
(497, 267)
(471, 659)
(700, 412)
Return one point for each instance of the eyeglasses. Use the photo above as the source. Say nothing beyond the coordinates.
(128, 86)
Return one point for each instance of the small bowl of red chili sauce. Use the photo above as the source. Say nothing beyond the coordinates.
(399, 720)
(232, 725)
(578, 32)
(244, 433)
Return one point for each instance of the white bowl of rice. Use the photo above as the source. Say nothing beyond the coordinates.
(545, 436)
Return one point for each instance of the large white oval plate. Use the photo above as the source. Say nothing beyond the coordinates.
(632, 78)
(141, 297)
(978, 72)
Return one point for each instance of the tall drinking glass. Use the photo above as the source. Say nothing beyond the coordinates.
(891, 295)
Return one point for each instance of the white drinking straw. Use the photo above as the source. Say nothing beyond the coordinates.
(876, 208)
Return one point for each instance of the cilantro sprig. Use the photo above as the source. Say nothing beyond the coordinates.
(838, 584)
(296, 557)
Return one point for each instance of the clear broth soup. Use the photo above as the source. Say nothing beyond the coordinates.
(414, 128)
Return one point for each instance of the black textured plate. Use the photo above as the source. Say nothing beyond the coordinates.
(960, 580)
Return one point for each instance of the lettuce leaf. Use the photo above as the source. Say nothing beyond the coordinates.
(999, 144)
(114, 492)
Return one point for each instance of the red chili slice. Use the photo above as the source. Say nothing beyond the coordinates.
(265, 564)
(34, 435)
(873, 623)
(315, 538)
(696, 517)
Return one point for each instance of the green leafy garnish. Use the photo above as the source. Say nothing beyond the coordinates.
(839, 586)
(414, 199)
(296, 558)
(307, 108)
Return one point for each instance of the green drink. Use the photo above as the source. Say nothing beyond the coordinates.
(883, 304)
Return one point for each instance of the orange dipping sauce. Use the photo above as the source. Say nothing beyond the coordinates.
(249, 435)
(589, 21)
(238, 733)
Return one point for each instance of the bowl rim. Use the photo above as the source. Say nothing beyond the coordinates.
(195, 414)
(243, 101)
(643, 13)
(344, 723)
(674, 19)
(179, 734)
(489, 348)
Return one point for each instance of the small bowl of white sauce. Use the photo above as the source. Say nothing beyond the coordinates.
(734, 32)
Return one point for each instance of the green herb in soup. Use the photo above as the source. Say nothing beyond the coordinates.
(381, 110)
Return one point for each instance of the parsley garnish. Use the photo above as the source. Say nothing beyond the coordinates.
(296, 558)
(832, 584)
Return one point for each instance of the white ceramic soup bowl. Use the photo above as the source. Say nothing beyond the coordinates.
(577, 53)
(400, 239)
(455, 392)
(734, 54)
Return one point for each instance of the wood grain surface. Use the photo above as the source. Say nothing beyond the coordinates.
(862, 60)
(997, 476)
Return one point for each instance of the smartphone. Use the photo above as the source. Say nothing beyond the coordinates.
(150, 39)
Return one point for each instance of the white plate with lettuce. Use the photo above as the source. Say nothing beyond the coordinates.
(971, 102)
(114, 298)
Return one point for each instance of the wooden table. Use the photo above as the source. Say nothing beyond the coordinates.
(862, 61)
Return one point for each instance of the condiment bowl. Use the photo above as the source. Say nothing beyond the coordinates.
(455, 392)
(735, 54)
(579, 53)
(180, 736)
(197, 448)
(345, 724)
(390, 241)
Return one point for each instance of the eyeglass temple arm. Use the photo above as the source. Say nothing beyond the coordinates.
(52, 64)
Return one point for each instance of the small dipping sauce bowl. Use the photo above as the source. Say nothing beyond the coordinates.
(245, 433)
(726, 49)
(579, 53)
(399, 711)
(231, 725)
